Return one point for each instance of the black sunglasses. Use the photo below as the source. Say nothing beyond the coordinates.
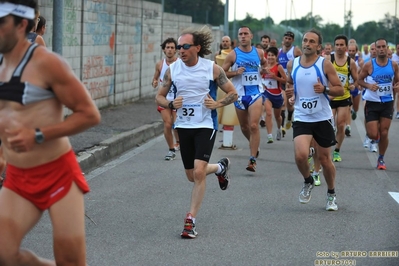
(185, 46)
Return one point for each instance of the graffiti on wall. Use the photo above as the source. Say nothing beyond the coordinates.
(98, 74)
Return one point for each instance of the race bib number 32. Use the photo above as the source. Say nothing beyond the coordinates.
(190, 113)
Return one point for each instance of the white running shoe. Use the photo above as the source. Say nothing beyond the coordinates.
(373, 147)
(331, 202)
(366, 142)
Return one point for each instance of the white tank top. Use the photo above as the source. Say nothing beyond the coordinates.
(170, 96)
(194, 84)
(310, 106)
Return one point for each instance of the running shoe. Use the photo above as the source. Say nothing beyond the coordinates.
(397, 115)
(366, 142)
(262, 123)
(381, 165)
(251, 165)
(336, 157)
(223, 177)
(170, 156)
(288, 124)
(373, 146)
(189, 228)
(278, 136)
(331, 202)
(283, 131)
(354, 115)
(304, 195)
(269, 139)
(316, 179)
(348, 131)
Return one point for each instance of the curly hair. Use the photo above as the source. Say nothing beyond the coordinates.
(202, 37)
(168, 40)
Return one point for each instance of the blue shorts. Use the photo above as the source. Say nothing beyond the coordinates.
(355, 92)
(276, 100)
(244, 102)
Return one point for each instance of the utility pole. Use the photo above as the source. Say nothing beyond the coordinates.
(226, 18)
(234, 23)
(396, 22)
(350, 19)
(58, 21)
(311, 14)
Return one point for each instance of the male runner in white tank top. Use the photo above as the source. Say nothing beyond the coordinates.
(310, 74)
(168, 115)
(195, 80)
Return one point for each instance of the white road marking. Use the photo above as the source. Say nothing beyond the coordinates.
(123, 158)
(395, 196)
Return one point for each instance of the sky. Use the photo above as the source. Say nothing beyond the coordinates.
(332, 11)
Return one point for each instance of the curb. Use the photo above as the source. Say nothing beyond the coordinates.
(115, 146)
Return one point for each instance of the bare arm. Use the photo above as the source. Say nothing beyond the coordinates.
(335, 86)
(157, 73)
(297, 51)
(39, 40)
(164, 89)
(228, 62)
(225, 85)
(71, 92)
(283, 78)
(353, 74)
(364, 73)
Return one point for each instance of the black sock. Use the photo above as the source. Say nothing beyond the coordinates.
(309, 180)
(336, 150)
(173, 150)
(290, 115)
(283, 117)
(331, 191)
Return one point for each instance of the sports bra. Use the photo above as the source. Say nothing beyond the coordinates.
(23, 92)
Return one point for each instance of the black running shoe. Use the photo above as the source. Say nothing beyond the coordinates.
(223, 177)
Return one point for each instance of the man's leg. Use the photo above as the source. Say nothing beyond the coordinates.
(68, 220)
(301, 148)
(167, 132)
(17, 218)
(342, 114)
(324, 157)
(242, 116)
(254, 112)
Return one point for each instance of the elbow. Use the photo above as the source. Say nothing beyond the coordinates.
(95, 118)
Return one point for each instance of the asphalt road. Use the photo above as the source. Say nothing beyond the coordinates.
(138, 201)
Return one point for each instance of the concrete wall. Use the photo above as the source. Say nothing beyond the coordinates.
(113, 45)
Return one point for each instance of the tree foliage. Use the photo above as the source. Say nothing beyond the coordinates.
(212, 12)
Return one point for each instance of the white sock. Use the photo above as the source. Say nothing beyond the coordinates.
(270, 135)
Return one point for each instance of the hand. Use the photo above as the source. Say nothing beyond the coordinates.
(291, 100)
(155, 84)
(210, 103)
(352, 87)
(318, 87)
(289, 90)
(240, 70)
(178, 102)
(20, 139)
(373, 87)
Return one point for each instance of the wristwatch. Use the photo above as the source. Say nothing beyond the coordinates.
(39, 137)
(170, 105)
(326, 89)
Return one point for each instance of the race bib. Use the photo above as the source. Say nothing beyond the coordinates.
(270, 83)
(310, 105)
(384, 89)
(190, 113)
(343, 78)
(250, 78)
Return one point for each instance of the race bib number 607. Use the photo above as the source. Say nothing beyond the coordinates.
(310, 105)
